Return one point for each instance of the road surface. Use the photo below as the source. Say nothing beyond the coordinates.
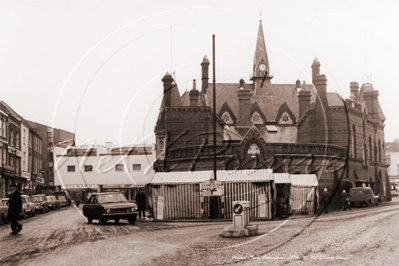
(363, 236)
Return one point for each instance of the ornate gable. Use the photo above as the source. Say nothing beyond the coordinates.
(257, 116)
(285, 116)
(227, 114)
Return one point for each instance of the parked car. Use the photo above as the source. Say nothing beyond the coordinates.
(53, 202)
(109, 206)
(62, 200)
(41, 202)
(394, 193)
(28, 207)
(66, 195)
(3, 213)
(363, 196)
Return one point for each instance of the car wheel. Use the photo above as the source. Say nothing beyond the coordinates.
(116, 221)
(366, 203)
(103, 220)
(89, 220)
(33, 212)
(132, 219)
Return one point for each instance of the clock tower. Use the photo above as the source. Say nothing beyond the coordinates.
(261, 71)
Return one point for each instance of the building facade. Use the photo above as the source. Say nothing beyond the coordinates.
(392, 152)
(104, 167)
(43, 151)
(294, 128)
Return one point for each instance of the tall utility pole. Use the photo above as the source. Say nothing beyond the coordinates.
(214, 110)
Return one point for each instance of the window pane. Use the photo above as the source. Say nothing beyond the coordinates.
(119, 168)
(88, 168)
(71, 168)
(136, 167)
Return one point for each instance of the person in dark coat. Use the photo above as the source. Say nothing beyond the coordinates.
(325, 199)
(345, 200)
(141, 203)
(14, 209)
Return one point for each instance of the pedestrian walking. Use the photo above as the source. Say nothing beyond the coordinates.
(14, 209)
(325, 199)
(345, 197)
(77, 200)
(141, 203)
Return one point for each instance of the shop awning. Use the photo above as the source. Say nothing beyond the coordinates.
(281, 178)
(229, 176)
(304, 180)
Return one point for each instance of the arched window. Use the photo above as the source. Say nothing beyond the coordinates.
(379, 150)
(253, 149)
(354, 141)
(371, 149)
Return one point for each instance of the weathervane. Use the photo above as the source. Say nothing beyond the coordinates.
(260, 13)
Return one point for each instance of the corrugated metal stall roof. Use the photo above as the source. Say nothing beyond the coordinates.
(259, 175)
(304, 180)
(281, 178)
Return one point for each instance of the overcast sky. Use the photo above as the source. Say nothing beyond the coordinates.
(95, 67)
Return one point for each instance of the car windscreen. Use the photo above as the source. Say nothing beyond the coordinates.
(61, 198)
(111, 198)
(36, 199)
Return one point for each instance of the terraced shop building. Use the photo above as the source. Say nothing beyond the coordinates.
(294, 128)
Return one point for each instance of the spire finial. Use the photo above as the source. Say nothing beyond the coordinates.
(260, 14)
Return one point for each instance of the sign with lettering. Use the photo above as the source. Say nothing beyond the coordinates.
(211, 188)
(26, 175)
(120, 186)
(40, 180)
(79, 186)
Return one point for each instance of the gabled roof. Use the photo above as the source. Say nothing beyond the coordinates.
(334, 99)
(269, 105)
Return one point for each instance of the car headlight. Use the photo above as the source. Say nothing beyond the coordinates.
(134, 209)
(108, 210)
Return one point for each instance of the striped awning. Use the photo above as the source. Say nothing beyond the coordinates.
(281, 178)
(304, 180)
(259, 175)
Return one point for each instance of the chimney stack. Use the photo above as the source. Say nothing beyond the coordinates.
(194, 95)
(205, 74)
(167, 89)
(320, 83)
(371, 99)
(315, 69)
(244, 98)
(354, 86)
(304, 100)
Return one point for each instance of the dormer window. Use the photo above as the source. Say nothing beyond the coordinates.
(227, 118)
(256, 119)
(285, 119)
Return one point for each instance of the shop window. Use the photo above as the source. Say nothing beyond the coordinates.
(71, 168)
(136, 167)
(88, 168)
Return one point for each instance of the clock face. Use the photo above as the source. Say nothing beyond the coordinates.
(262, 67)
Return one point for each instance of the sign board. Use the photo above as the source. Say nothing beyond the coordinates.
(26, 175)
(120, 186)
(79, 186)
(40, 180)
(211, 188)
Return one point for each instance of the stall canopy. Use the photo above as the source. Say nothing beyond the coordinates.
(259, 175)
(303, 194)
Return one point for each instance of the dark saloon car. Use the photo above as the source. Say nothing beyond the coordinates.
(109, 206)
(65, 194)
(41, 202)
(53, 202)
(363, 196)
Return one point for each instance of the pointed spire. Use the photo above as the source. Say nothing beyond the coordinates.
(260, 52)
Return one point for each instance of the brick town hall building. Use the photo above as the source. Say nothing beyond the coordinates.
(290, 128)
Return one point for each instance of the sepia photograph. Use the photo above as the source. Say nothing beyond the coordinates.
(148, 132)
